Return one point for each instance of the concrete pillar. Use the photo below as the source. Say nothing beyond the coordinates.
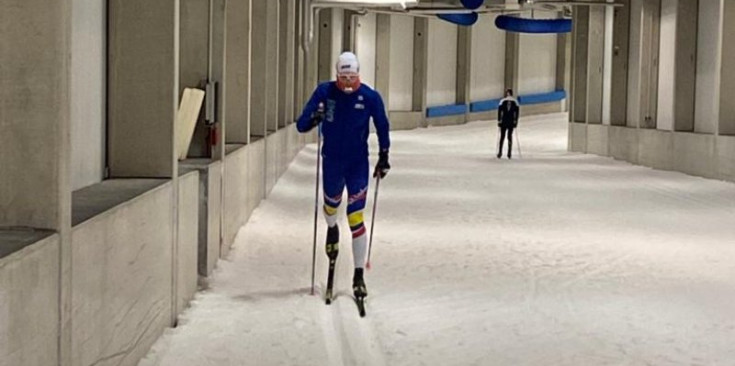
(259, 99)
(512, 60)
(687, 14)
(311, 63)
(194, 62)
(464, 67)
(35, 184)
(286, 62)
(643, 77)
(238, 66)
(619, 87)
(580, 34)
(217, 71)
(727, 81)
(325, 64)
(420, 65)
(272, 39)
(382, 57)
(143, 87)
(595, 61)
(298, 69)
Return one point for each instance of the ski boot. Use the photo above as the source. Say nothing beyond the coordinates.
(360, 290)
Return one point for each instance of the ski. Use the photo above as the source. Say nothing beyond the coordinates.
(332, 249)
(360, 301)
(330, 280)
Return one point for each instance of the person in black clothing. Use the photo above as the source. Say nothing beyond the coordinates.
(507, 120)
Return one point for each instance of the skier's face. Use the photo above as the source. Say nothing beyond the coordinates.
(348, 82)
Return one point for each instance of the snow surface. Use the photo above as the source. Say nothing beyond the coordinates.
(558, 258)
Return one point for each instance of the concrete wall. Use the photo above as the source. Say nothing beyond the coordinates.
(365, 48)
(187, 248)
(706, 114)
(537, 68)
(597, 139)
(143, 87)
(726, 157)
(235, 196)
(607, 67)
(667, 66)
(401, 72)
(488, 60)
(442, 63)
(122, 280)
(33, 111)
(29, 314)
(88, 91)
(697, 154)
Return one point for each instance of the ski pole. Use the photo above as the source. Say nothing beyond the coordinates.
(372, 221)
(316, 197)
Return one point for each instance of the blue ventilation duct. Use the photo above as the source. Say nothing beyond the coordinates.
(472, 4)
(525, 25)
(460, 19)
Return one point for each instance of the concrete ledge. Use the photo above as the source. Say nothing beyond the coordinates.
(726, 157)
(545, 108)
(235, 196)
(624, 143)
(209, 207)
(577, 137)
(447, 120)
(405, 120)
(483, 116)
(98, 198)
(187, 249)
(656, 149)
(122, 279)
(29, 302)
(695, 154)
(597, 139)
(255, 182)
(15, 239)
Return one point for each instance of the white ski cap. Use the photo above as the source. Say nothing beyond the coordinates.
(347, 62)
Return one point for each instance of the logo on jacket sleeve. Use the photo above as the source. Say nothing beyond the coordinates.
(331, 105)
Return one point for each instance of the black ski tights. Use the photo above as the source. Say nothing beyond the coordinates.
(510, 140)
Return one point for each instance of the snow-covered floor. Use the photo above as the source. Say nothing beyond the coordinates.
(557, 258)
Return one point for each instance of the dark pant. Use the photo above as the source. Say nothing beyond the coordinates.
(510, 140)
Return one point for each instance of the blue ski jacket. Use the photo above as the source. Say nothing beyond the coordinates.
(346, 124)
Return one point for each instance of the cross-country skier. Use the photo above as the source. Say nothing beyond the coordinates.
(507, 120)
(345, 107)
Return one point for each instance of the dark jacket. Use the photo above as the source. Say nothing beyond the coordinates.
(508, 112)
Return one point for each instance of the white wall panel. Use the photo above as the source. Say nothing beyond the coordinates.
(442, 63)
(401, 63)
(706, 113)
(537, 64)
(366, 48)
(88, 91)
(667, 66)
(488, 60)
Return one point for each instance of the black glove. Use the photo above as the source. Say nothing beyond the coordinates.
(382, 167)
(318, 116)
